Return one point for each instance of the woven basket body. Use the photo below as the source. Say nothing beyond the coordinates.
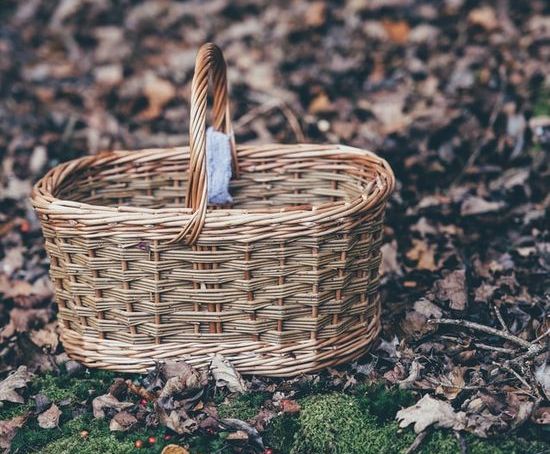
(282, 282)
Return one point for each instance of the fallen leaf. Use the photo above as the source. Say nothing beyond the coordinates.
(541, 416)
(484, 17)
(122, 422)
(107, 402)
(8, 429)
(414, 375)
(46, 337)
(398, 31)
(50, 418)
(452, 288)
(239, 435)
(16, 380)
(174, 449)
(290, 406)
(474, 205)
(429, 411)
(542, 375)
(225, 375)
(390, 262)
(423, 253)
(452, 383)
(177, 420)
(237, 424)
(158, 92)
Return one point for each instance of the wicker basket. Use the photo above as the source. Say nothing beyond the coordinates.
(285, 281)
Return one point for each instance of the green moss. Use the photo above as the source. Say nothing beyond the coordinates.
(280, 433)
(339, 423)
(542, 104)
(336, 423)
(382, 402)
(244, 406)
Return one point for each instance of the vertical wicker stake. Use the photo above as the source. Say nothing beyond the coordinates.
(283, 282)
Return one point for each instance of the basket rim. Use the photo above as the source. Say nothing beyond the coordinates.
(89, 215)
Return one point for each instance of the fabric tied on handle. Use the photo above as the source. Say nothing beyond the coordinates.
(218, 166)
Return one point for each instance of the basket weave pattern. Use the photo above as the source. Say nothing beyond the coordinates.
(282, 282)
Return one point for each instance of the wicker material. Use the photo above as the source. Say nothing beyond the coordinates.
(282, 282)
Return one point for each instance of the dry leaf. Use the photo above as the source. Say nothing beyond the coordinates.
(429, 411)
(177, 420)
(390, 262)
(107, 401)
(398, 31)
(485, 17)
(8, 429)
(46, 337)
(474, 205)
(423, 253)
(452, 384)
(414, 374)
(16, 380)
(50, 418)
(226, 375)
(452, 288)
(122, 422)
(174, 449)
(290, 406)
(158, 92)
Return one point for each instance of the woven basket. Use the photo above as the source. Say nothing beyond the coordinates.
(285, 281)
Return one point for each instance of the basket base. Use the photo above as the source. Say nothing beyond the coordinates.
(248, 357)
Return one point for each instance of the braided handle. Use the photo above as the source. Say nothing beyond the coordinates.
(209, 62)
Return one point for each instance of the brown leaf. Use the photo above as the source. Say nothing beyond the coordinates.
(177, 420)
(429, 411)
(8, 429)
(46, 337)
(452, 288)
(50, 418)
(452, 384)
(226, 375)
(110, 402)
(122, 422)
(183, 388)
(398, 31)
(174, 449)
(484, 17)
(423, 253)
(16, 380)
(390, 262)
(158, 92)
(541, 416)
(474, 205)
(290, 406)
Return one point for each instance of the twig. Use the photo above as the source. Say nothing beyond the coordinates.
(514, 373)
(508, 351)
(417, 442)
(461, 442)
(486, 134)
(501, 319)
(485, 329)
(542, 336)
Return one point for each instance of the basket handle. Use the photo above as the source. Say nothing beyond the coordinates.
(209, 62)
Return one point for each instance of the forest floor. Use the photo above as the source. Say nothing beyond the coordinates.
(454, 94)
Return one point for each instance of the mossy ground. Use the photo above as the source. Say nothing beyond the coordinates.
(361, 422)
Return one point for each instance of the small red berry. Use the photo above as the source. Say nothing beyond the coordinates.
(138, 444)
(152, 440)
(167, 437)
(143, 402)
(25, 227)
(268, 451)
